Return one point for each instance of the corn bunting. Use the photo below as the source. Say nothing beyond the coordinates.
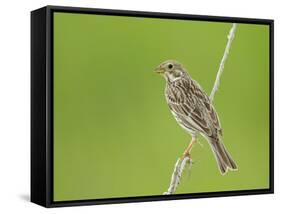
(194, 111)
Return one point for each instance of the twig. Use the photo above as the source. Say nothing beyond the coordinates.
(176, 176)
(181, 163)
(226, 52)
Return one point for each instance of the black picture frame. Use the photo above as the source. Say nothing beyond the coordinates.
(42, 105)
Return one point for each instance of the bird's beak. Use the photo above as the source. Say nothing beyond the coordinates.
(159, 70)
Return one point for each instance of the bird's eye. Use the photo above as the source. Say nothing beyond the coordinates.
(170, 66)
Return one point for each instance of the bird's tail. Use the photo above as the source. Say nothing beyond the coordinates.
(224, 160)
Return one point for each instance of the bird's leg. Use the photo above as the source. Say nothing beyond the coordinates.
(188, 149)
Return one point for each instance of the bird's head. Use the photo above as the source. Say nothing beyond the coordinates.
(171, 70)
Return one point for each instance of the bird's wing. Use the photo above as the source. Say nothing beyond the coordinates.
(207, 104)
(191, 104)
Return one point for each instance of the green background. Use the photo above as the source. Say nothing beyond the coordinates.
(114, 135)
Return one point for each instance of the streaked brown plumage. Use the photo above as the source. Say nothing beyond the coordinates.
(194, 111)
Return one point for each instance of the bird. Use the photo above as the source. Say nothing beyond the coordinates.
(194, 112)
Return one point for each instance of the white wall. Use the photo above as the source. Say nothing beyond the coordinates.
(15, 108)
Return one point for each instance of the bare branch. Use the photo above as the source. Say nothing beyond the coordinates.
(181, 163)
(226, 52)
(176, 176)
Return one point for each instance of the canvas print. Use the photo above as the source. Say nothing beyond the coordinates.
(151, 106)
